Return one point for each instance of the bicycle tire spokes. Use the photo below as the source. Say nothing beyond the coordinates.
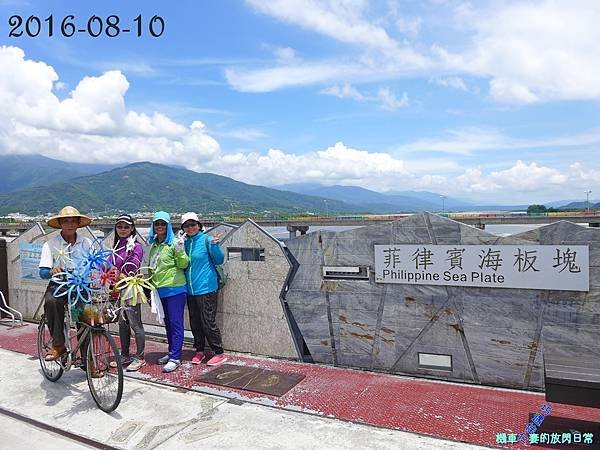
(52, 370)
(106, 383)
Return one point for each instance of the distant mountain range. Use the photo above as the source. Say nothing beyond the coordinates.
(364, 199)
(402, 201)
(150, 187)
(35, 184)
(581, 205)
(25, 171)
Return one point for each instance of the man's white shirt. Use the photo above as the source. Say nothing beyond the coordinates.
(59, 253)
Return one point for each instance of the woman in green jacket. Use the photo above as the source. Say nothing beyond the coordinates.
(167, 262)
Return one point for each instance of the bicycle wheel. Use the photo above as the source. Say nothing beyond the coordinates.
(52, 370)
(105, 382)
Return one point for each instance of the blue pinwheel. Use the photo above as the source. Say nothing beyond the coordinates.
(96, 259)
(75, 285)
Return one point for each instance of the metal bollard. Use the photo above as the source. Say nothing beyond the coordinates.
(4, 269)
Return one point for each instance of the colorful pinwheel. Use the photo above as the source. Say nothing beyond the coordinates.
(104, 278)
(76, 285)
(96, 259)
(63, 255)
(132, 287)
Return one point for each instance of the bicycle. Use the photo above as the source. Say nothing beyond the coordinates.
(105, 382)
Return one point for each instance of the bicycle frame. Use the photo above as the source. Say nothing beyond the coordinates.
(83, 333)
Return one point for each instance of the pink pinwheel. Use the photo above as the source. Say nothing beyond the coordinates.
(104, 278)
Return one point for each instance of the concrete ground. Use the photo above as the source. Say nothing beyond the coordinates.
(18, 435)
(330, 407)
(155, 416)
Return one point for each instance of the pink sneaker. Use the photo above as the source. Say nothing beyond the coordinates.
(198, 357)
(216, 360)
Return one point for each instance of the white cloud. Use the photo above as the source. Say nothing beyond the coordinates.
(469, 140)
(139, 68)
(460, 141)
(389, 101)
(529, 176)
(297, 74)
(509, 91)
(338, 164)
(339, 19)
(473, 180)
(242, 134)
(91, 124)
(345, 91)
(451, 82)
(285, 53)
(382, 57)
(385, 97)
(535, 51)
(409, 25)
(523, 178)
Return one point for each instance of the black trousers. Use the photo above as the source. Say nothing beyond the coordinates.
(131, 318)
(54, 310)
(203, 321)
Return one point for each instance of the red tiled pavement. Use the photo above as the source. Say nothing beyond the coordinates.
(452, 411)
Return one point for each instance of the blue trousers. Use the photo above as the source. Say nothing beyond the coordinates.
(173, 307)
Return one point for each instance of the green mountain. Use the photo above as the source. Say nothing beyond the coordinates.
(26, 171)
(149, 187)
(581, 205)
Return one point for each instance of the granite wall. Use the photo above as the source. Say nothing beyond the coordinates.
(277, 303)
(495, 336)
(251, 314)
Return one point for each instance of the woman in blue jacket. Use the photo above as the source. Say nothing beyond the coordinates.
(202, 285)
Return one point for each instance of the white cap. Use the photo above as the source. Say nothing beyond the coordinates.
(189, 216)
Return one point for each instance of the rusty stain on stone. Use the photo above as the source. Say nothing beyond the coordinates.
(533, 345)
(329, 285)
(362, 336)
(457, 327)
(408, 300)
(324, 342)
(387, 330)
(343, 318)
(500, 341)
(360, 325)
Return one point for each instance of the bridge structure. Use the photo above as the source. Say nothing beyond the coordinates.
(302, 225)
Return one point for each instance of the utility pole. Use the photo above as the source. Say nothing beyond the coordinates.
(587, 199)
(443, 197)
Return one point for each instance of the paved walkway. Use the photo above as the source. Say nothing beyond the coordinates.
(155, 416)
(446, 411)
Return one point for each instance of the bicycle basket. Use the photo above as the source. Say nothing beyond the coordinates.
(99, 312)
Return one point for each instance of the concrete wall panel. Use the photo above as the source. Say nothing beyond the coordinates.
(495, 336)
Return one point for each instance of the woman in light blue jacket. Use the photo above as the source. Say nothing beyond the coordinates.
(202, 285)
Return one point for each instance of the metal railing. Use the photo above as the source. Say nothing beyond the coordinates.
(10, 311)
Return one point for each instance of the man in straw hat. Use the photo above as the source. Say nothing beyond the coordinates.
(59, 254)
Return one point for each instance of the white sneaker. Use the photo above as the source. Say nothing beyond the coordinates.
(164, 359)
(171, 365)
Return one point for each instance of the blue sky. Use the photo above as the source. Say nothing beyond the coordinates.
(494, 101)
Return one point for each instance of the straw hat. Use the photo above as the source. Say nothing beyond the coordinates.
(68, 211)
